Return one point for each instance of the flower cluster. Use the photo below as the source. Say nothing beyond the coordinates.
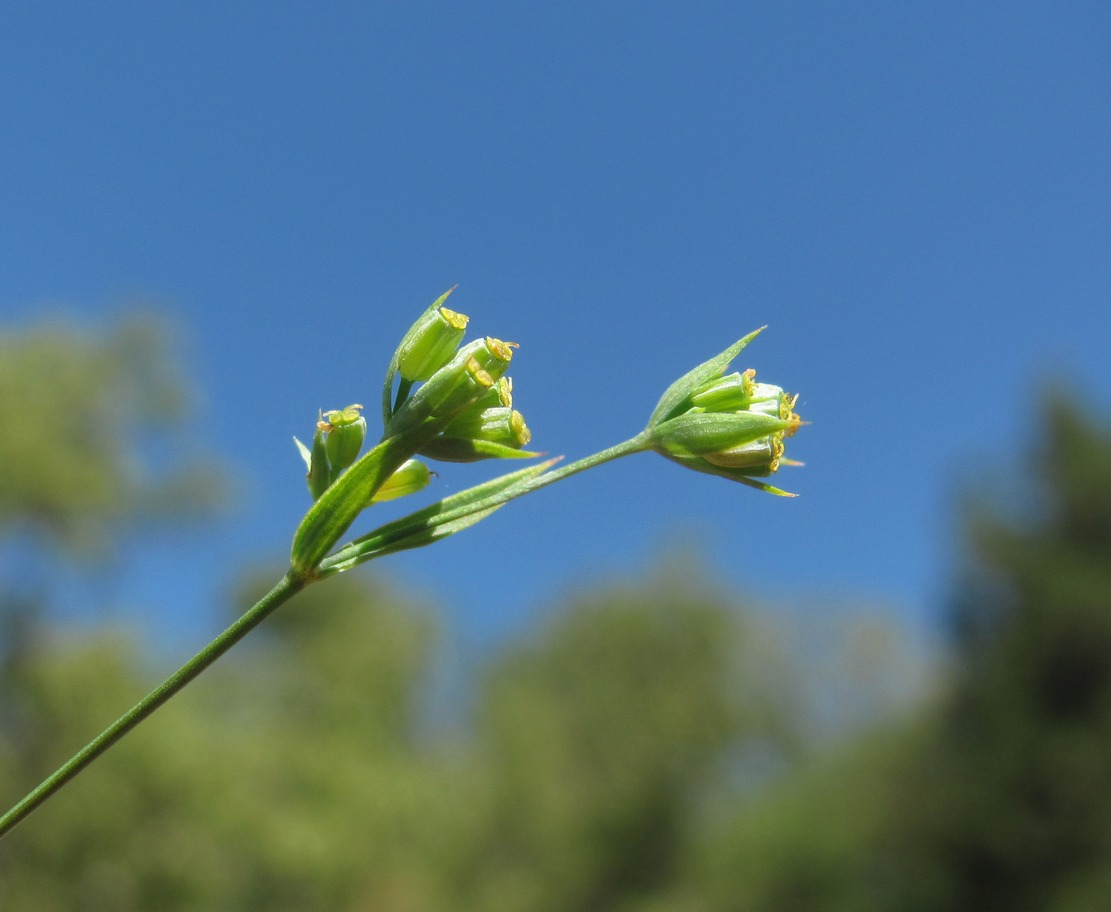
(460, 396)
(726, 425)
(464, 391)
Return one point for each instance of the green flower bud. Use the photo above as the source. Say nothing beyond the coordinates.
(725, 425)
(698, 433)
(430, 343)
(473, 371)
(726, 394)
(761, 457)
(492, 355)
(412, 476)
(738, 391)
(498, 395)
(499, 424)
(346, 431)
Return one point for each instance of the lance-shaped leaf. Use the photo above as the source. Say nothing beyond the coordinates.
(460, 449)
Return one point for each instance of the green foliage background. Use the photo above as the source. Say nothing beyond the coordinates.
(647, 749)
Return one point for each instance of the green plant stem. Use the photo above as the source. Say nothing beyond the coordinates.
(286, 588)
(636, 444)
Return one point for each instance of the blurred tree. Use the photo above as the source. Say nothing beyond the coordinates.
(87, 420)
(997, 794)
(83, 417)
(605, 738)
(1010, 807)
(286, 780)
(299, 775)
(807, 842)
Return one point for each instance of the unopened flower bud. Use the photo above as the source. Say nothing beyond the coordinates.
(346, 431)
(740, 392)
(499, 424)
(430, 343)
(726, 394)
(475, 369)
(492, 355)
(498, 395)
(412, 476)
(761, 457)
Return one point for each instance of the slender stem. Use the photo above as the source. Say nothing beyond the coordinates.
(634, 445)
(287, 587)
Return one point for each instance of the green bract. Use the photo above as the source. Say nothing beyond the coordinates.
(676, 398)
(345, 498)
(462, 449)
(697, 433)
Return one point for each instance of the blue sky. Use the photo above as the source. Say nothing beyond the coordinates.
(914, 197)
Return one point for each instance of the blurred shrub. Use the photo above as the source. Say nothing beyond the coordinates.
(606, 765)
(997, 795)
(83, 417)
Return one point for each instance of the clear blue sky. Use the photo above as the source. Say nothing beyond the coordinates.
(914, 197)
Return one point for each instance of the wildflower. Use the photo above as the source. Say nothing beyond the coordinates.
(725, 425)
